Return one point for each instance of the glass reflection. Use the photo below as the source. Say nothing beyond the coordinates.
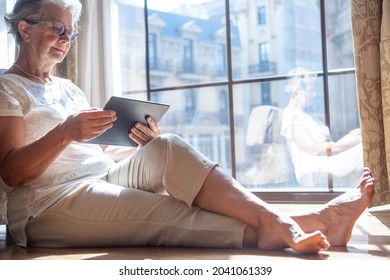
(291, 145)
(188, 49)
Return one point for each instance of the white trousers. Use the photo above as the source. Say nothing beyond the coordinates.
(131, 208)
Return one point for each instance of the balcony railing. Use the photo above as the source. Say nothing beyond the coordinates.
(193, 69)
(262, 68)
(161, 65)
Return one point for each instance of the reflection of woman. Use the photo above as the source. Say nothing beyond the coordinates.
(63, 192)
(313, 155)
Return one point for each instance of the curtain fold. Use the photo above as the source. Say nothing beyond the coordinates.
(95, 54)
(370, 26)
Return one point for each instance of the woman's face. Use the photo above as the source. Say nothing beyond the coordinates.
(47, 46)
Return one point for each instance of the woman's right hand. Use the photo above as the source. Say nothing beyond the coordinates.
(89, 124)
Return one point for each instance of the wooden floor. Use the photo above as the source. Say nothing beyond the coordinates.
(370, 241)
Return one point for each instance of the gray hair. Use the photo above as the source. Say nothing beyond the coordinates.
(30, 9)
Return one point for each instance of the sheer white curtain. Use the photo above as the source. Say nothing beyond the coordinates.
(7, 57)
(98, 54)
(7, 42)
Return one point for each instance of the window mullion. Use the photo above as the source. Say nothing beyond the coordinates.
(230, 89)
(147, 66)
(325, 77)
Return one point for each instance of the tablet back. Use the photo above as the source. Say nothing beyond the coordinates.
(128, 111)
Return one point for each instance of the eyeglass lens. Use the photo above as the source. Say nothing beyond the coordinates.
(59, 30)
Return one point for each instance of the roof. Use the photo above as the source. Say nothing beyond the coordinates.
(131, 16)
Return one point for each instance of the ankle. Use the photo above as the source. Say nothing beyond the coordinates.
(250, 238)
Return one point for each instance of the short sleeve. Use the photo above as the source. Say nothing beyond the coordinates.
(10, 106)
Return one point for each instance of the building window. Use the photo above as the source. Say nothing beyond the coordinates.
(152, 42)
(263, 53)
(261, 15)
(206, 144)
(221, 59)
(190, 102)
(188, 56)
(266, 94)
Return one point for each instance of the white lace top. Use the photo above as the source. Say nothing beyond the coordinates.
(43, 107)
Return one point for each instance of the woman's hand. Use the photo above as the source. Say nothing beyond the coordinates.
(351, 139)
(142, 134)
(89, 124)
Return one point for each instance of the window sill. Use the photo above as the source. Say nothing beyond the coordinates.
(297, 197)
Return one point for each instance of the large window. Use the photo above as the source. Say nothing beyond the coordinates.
(226, 61)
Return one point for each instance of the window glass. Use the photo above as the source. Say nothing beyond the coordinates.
(7, 42)
(131, 45)
(289, 37)
(188, 58)
(344, 115)
(339, 34)
(263, 156)
(191, 42)
(281, 136)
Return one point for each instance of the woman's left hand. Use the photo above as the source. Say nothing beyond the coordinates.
(142, 134)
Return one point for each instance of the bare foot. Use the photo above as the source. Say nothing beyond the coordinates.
(280, 232)
(337, 217)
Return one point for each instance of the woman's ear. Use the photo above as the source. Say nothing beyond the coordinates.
(24, 30)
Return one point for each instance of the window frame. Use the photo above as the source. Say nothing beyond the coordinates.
(270, 196)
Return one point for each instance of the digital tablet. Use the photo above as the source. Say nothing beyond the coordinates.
(128, 112)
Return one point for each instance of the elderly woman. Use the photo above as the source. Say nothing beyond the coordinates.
(314, 156)
(63, 192)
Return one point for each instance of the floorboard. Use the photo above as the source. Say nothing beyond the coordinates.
(370, 241)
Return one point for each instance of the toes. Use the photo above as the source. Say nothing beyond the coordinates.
(312, 243)
(324, 244)
(370, 185)
(366, 181)
(367, 170)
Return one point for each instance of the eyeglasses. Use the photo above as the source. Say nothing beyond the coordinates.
(58, 28)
